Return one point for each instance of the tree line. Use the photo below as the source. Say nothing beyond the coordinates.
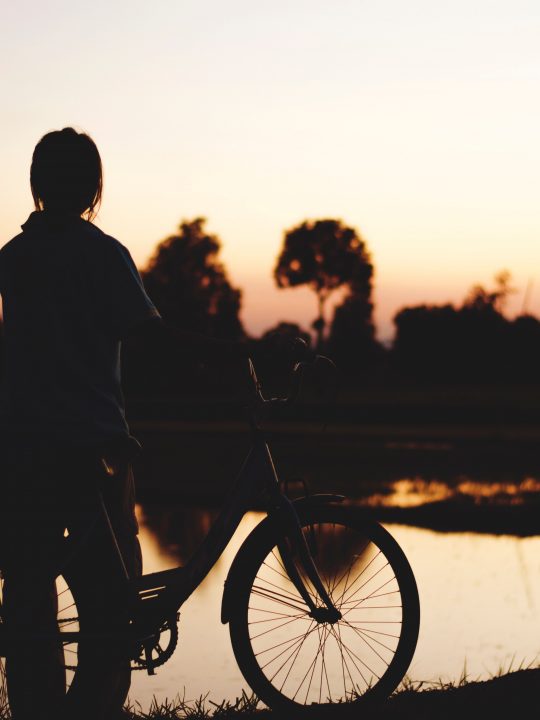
(470, 342)
(473, 342)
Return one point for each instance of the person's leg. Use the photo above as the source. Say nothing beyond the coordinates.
(30, 533)
(103, 676)
(35, 671)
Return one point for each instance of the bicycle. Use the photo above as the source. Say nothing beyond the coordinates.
(321, 602)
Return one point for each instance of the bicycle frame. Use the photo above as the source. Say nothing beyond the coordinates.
(257, 478)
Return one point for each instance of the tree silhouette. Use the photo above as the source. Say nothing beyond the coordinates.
(352, 334)
(189, 285)
(284, 334)
(523, 349)
(324, 255)
(428, 345)
(495, 300)
(470, 343)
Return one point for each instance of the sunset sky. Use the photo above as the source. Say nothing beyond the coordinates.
(416, 122)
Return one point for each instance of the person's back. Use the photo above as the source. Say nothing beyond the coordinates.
(69, 293)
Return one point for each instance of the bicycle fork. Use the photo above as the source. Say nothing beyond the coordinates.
(290, 524)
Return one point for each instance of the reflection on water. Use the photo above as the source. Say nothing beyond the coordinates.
(179, 529)
(411, 492)
(479, 595)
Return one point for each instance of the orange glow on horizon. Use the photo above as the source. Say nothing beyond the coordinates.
(265, 116)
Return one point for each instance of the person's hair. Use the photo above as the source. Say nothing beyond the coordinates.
(66, 173)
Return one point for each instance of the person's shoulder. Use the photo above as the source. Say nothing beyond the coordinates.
(10, 256)
(12, 246)
(107, 242)
(106, 247)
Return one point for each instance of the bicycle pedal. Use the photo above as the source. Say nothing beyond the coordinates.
(150, 668)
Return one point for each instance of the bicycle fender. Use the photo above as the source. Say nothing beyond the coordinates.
(318, 499)
(236, 569)
(243, 555)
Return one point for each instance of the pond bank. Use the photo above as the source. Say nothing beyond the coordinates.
(512, 695)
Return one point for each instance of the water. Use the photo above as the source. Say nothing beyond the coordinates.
(479, 595)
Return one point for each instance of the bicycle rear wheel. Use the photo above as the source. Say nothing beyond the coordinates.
(295, 663)
(66, 656)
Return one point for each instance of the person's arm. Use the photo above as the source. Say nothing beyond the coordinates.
(191, 345)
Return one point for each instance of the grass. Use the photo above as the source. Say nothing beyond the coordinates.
(510, 691)
(201, 709)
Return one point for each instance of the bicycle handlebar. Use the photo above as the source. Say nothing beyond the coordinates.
(296, 378)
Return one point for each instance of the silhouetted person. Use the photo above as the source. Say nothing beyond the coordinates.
(70, 294)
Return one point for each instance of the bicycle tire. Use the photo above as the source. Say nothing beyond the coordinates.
(68, 622)
(269, 615)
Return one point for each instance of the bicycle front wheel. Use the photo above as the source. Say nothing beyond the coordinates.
(296, 663)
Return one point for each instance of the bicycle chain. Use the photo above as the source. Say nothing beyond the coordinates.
(159, 655)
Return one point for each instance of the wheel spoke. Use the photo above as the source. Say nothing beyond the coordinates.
(275, 597)
(292, 653)
(67, 624)
(374, 632)
(361, 636)
(390, 592)
(280, 563)
(345, 599)
(271, 612)
(368, 597)
(326, 630)
(294, 660)
(344, 663)
(280, 574)
(351, 658)
(281, 616)
(284, 591)
(64, 609)
(288, 622)
(285, 642)
(294, 648)
(313, 663)
(351, 565)
(361, 574)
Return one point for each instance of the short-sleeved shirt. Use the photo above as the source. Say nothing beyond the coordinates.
(70, 293)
